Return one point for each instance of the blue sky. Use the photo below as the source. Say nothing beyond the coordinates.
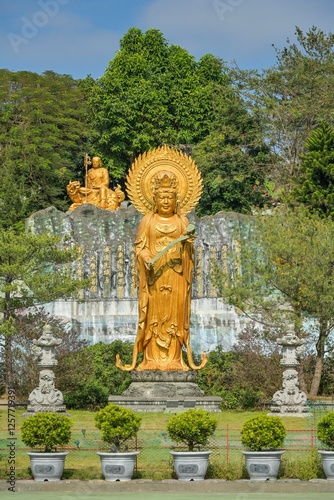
(80, 37)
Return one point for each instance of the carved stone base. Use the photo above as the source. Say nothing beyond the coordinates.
(168, 405)
(33, 409)
(164, 376)
(289, 411)
(167, 391)
(163, 384)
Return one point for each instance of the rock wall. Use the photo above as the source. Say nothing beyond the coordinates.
(108, 310)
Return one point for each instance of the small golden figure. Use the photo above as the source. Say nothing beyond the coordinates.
(164, 184)
(96, 190)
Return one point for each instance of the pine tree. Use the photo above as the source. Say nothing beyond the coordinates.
(316, 185)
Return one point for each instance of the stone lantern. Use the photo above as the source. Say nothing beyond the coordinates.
(46, 397)
(290, 400)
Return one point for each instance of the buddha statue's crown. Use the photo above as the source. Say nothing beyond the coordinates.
(165, 181)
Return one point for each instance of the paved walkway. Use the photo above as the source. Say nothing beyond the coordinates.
(140, 489)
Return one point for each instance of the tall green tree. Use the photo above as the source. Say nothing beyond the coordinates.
(233, 160)
(33, 271)
(315, 187)
(292, 97)
(43, 139)
(152, 93)
(283, 276)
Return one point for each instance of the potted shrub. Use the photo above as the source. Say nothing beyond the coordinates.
(263, 436)
(191, 428)
(325, 433)
(47, 430)
(117, 425)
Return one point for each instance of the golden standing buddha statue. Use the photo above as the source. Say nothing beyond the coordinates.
(164, 184)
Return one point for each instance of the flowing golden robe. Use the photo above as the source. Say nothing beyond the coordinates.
(164, 292)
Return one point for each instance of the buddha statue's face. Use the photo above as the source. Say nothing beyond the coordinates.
(165, 203)
(96, 162)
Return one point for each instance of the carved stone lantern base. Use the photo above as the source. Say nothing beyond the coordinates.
(46, 408)
(289, 411)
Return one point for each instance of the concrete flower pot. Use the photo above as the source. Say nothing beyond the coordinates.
(327, 458)
(47, 466)
(190, 465)
(118, 466)
(263, 465)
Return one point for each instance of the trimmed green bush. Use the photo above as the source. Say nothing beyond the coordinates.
(117, 425)
(325, 430)
(239, 399)
(46, 429)
(192, 427)
(263, 433)
(91, 395)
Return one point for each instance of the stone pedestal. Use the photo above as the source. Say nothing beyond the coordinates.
(290, 401)
(165, 391)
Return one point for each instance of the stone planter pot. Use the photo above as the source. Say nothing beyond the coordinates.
(327, 458)
(47, 466)
(118, 466)
(190, 465)
(263, 465)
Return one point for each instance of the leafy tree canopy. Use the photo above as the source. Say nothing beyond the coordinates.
(152, 93)
(33, 271)
(292, 97)
(233, 160)
(43, 135)
(283, 276)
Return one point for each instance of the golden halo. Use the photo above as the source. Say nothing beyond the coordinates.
(145, 166)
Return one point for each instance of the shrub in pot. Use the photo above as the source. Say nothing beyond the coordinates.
(191, 428)
(263, 432)
(47, 430)
(118, 425)
(325, 434)
(263, 437)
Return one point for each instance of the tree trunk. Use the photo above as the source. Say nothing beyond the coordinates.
(319, 362)
(301, 377)
(316, 377)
